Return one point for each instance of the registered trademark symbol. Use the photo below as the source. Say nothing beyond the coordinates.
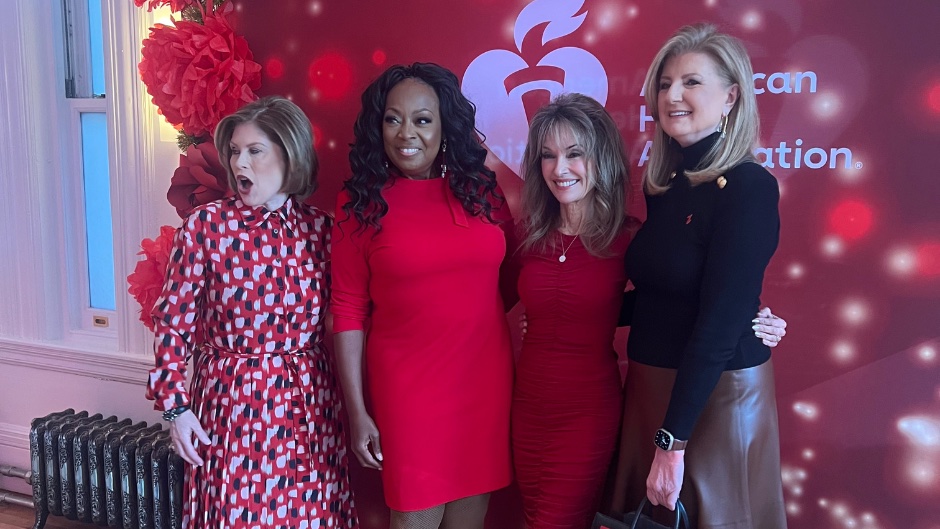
(859, 165)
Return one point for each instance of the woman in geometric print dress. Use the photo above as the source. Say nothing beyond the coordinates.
(246, 289)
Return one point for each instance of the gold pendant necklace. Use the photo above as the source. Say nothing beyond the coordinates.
(562, 258)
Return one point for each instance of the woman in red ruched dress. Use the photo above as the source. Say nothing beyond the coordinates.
(566, 398)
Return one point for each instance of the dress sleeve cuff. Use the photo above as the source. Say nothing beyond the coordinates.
(341, 324)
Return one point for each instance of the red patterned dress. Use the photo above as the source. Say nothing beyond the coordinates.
(245, 291)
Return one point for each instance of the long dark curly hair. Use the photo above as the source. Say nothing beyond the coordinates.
(472, 183)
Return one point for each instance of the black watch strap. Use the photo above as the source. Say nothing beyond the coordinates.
(171, 414)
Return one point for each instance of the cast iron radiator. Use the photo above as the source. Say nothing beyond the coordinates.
(105, 471)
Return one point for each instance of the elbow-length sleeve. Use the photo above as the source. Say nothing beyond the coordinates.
(744, 238)
(350, 291)
(176, 315)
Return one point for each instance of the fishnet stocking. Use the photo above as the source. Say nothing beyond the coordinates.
(426, 519)
(466, 513)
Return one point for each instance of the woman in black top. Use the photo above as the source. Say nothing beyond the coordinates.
(697, 375)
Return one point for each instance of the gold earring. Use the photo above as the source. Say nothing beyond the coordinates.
(723, 125)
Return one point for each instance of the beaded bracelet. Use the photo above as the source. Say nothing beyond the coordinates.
(171, 415)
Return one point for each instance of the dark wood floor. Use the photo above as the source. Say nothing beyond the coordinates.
(16, 517)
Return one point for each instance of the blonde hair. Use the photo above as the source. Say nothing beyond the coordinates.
(596, 133)
(743, 128)
(285, 124)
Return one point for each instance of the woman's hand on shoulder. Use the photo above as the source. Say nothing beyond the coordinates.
(365, 441)
(769, 328)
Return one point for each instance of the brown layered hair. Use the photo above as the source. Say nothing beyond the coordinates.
(285, 124)
(595, 132)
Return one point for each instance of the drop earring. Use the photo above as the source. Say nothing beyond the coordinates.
(444, 158)
(723, 125)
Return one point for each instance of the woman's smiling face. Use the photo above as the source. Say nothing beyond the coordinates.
(692, 98)
(411, 128)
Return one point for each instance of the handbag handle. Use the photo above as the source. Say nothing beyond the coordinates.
(681, 515)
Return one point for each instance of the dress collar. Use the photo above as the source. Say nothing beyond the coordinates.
(254, 217)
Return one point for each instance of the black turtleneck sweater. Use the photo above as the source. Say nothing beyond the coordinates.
(698, 263)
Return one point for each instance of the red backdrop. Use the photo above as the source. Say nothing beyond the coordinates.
(849, 93)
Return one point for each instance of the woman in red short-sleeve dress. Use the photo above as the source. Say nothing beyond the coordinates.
(247, 284)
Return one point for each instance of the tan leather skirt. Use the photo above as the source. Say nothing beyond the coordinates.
(732, 464)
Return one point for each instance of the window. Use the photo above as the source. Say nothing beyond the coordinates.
(91, 272)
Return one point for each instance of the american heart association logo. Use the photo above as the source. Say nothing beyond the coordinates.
(501, 115)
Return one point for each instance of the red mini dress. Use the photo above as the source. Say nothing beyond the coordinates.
(438, 355)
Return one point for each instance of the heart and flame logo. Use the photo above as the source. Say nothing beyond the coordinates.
(501, 114)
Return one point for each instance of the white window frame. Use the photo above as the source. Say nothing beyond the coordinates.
(38, 319)
(86, 325)
(83, 318)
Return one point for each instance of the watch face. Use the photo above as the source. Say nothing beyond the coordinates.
(663, 439)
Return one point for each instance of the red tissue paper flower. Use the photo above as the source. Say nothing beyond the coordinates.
(196, 74)
(199, 179)
(146, 281)
(175, 5)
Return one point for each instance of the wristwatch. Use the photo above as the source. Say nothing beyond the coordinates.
(173, 413)
(667, 442)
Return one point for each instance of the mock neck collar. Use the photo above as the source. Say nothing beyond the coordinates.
(693, 154)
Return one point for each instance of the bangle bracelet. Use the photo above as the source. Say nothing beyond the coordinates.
(171, 415)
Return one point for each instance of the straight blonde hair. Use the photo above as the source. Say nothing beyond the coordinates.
(595, 132)
(743, 128)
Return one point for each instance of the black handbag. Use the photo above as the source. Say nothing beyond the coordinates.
(640, 520)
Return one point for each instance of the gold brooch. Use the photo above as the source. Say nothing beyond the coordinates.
(722, 182)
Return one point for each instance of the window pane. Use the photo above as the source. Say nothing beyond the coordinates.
(97, 47)
(98, 209)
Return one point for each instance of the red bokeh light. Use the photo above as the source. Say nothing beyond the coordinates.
(317, 137)
(274, 68)
(331, 75)
(851, 219)
(928, 259)
(933, 98)
(378, 57)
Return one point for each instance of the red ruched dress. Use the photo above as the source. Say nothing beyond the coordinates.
(567, 398)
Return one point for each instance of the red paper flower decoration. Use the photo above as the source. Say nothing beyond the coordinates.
(146, 281)
(197, 74)
(199, 179)
(175, 5)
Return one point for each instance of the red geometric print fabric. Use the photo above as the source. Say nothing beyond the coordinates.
(244, 293)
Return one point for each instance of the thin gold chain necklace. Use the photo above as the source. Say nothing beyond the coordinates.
(562, 258)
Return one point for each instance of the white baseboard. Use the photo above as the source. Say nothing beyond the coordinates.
(14, 436)
(119, 367)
